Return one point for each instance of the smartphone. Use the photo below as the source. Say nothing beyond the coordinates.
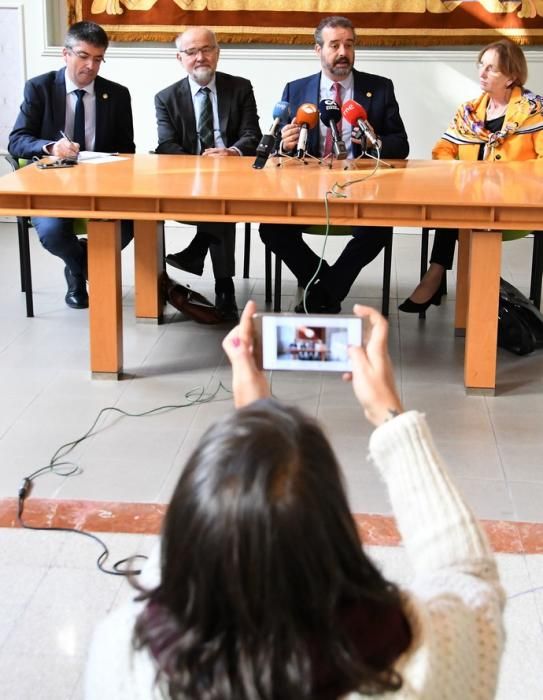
(316, 343)
(60, 163)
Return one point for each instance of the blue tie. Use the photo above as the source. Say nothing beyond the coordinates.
(79, 120)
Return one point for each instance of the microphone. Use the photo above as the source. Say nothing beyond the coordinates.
(281, 113)
(307, 116)
(357, 116)
(331, 117)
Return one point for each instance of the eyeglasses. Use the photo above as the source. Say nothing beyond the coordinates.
(204, 50)
(488, 69)
(84, 56)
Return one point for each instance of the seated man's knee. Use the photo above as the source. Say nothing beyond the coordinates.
(54, 233)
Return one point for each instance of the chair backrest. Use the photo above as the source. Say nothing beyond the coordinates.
(333, 230)
(80, 225)
(13, 163)
(514, 235)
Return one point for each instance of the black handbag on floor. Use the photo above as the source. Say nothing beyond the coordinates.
(520, 323)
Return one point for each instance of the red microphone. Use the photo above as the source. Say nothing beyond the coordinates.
(307, 117)
(357, 116)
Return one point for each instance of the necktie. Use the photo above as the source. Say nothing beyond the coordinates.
(205, 126)
(79, 120)
(328, 142)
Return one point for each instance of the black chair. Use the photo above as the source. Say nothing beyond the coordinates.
(24, 225)
(536, 275)
(23, 232)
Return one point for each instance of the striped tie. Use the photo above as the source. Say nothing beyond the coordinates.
(205, 126)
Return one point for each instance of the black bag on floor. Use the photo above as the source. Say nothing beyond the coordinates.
(520, 323)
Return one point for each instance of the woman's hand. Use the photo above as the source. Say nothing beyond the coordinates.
(248, 382)
(372, 375)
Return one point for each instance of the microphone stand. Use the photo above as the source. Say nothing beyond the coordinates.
(302, 161)
(364, 145)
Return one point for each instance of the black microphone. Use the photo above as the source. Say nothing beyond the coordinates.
(281, 113)
(307, 118)
(331, 117)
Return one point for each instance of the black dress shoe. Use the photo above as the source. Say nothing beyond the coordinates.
(76, 296)
(187, 262)
(318, 302)
(225, 303)
(411, 307)
(312, 308)
(193, 304)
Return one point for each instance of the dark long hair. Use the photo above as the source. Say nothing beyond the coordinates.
(265, 591)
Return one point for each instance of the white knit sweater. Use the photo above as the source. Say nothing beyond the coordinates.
(454, 603)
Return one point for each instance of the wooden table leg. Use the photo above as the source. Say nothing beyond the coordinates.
(149, 266)
(105, 312)
(482, 317)
(462, 267)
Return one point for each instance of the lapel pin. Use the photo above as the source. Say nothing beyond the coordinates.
(368, 94)
(105, 96)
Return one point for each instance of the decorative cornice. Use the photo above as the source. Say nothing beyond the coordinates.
(228, 53)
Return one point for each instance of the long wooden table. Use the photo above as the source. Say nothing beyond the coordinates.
(481, 199)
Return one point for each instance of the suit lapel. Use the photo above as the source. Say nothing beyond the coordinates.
(361, 94)
(313, 96)
(102, 98)
(186, 115)
(223, 105)
(59, 104)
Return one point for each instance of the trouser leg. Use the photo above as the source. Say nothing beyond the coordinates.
(57, 236)
(365, 244)
(286, 241)
(222, 247)
(127, 232)
(444, 246)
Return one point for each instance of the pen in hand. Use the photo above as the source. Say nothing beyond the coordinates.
(74, 151)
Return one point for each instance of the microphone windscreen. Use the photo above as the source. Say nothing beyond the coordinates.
(330, 112)
(281, 111)
(307, 114)
(352, 112)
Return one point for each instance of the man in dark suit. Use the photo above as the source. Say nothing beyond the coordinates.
(62, 113)
(335, 45)
(214, 115)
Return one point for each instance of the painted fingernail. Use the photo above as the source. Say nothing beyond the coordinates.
(236, 342)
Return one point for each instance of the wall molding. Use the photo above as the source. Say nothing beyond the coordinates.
(303, 54)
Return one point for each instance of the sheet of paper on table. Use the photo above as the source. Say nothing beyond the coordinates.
(97, 157)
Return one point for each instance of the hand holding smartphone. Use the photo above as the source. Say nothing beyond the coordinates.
(316, 343)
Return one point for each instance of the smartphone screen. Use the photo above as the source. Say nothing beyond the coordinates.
(302, 342)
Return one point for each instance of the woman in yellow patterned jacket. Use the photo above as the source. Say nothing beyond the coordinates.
(504, 123)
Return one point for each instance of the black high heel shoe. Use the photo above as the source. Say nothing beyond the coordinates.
(410, 307)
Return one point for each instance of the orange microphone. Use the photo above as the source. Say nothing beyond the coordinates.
(307, 117)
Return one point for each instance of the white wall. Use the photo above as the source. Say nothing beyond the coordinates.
(429, 83)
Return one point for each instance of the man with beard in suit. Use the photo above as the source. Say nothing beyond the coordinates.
(64, 112)
(338, 80)
(214, 115)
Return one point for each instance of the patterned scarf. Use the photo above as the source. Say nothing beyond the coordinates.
(467, 128)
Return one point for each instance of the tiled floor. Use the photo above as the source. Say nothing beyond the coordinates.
(51, 594)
